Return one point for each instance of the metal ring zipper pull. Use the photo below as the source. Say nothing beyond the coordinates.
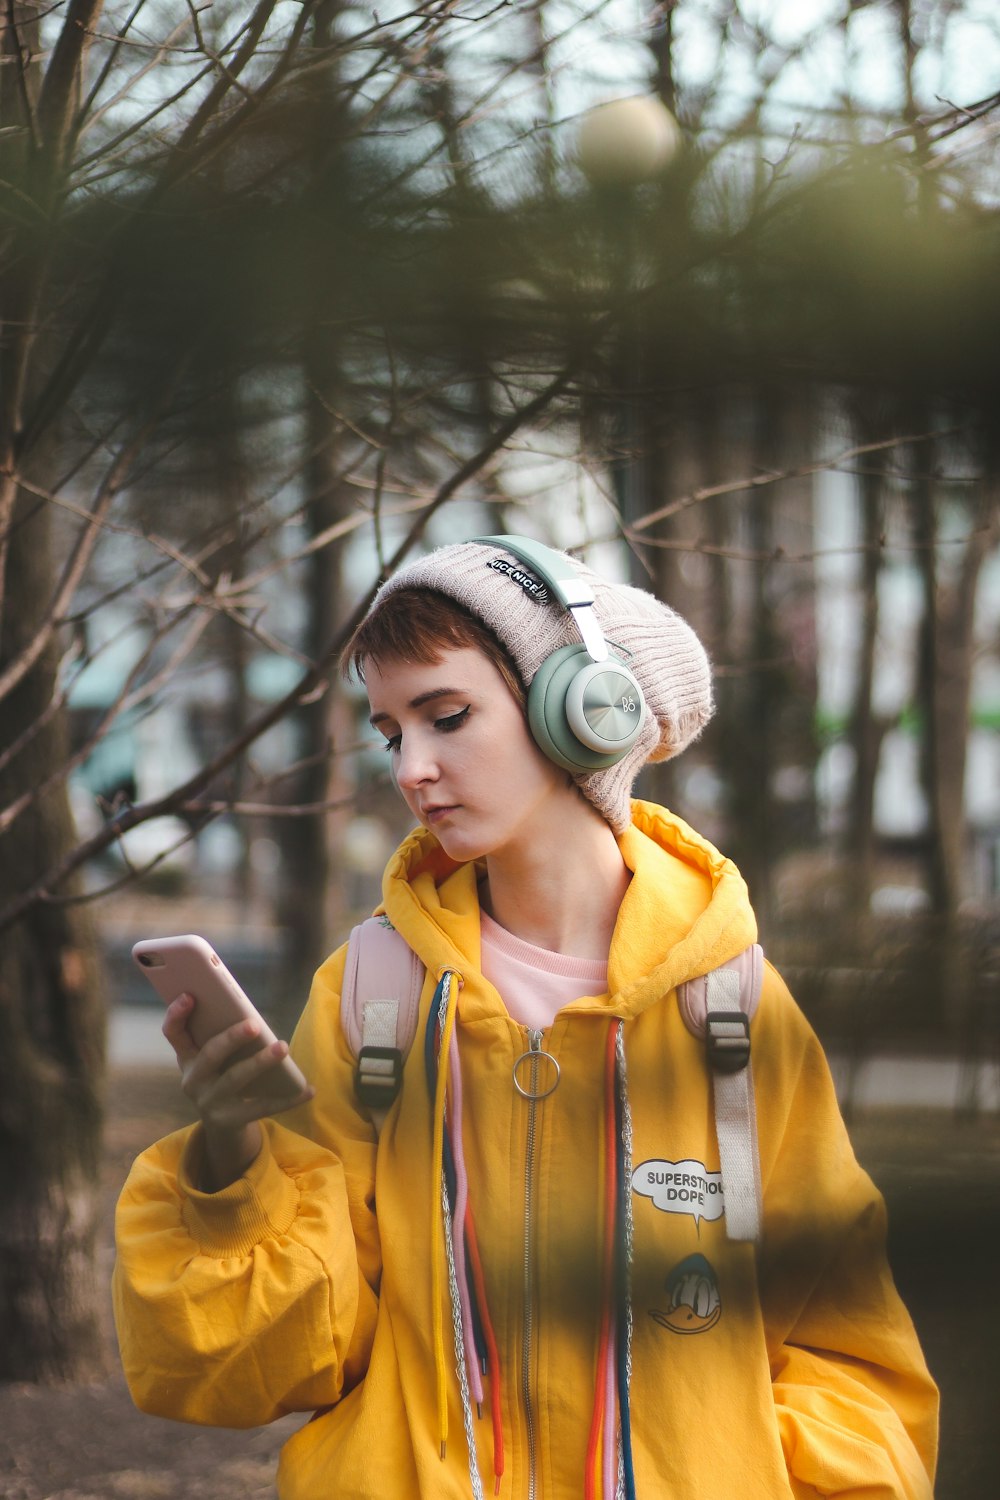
(533, 1092)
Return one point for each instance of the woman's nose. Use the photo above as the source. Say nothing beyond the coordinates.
(413, 764)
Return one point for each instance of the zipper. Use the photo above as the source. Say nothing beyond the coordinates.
(527, 1331)
(533, 1094)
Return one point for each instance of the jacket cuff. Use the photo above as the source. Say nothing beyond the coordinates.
(260, 1205)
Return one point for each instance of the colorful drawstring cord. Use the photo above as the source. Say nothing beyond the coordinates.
(623, 1132)
(480, 1340)
(459, 1204)
(492, 1352)
(472, 1328)
(602, 1446)
(609, 1470)
(609, 1473)
(442, 1004)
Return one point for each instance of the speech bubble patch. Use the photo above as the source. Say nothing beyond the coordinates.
(681, 1187)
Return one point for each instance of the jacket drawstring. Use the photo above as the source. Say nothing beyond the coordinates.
(602, 1446)
(459, 1211)
(439, 1200)
(492, 1352)
(623, 1287)
(455, 1253)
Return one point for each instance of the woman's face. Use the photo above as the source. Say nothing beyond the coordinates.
(462, 754)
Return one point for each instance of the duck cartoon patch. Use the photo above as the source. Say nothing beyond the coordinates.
(695, 1305)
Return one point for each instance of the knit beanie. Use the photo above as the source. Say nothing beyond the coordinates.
(659, 647)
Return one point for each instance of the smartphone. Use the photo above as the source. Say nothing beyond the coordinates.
(189, 965)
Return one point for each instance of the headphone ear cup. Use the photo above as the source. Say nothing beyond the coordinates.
(576, 713)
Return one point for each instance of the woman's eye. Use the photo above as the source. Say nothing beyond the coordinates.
(393, 743)
(452, 722)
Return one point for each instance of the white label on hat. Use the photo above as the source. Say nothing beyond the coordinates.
(531, 585)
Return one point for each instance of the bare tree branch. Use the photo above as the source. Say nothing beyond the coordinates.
(42, 889)
(761, 481)
(61, 84)
(122, 704)
(75, 565)
(90, 117)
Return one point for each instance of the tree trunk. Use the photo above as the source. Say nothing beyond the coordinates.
(866, 733)
(226, 465)
(956, 649)
(753, 700)
(51, 1007)
(52, 1026)
(942, 868)
(310, 904)
(945, 681)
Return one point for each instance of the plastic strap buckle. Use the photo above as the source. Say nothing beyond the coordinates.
(727, 1039)
(378, 1076)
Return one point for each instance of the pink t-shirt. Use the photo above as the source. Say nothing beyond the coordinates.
(533, 983)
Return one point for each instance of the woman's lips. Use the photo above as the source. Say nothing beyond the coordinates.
(432, 815)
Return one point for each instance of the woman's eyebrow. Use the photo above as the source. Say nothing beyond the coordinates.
(419, 701)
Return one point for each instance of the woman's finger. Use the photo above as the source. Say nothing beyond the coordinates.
(230, 1065)
(208, 1064)
(175, 1028)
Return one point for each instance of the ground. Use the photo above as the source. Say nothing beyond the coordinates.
(941, 1177)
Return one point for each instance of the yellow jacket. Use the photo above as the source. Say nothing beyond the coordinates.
(786, 1370)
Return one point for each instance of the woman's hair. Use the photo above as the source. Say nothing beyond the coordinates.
(419, 625)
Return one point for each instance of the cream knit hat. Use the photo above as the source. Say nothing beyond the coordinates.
(659, 647)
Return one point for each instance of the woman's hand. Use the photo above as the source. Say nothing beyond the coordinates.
(218, 1088)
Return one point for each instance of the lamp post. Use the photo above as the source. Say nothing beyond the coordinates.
(622, 144)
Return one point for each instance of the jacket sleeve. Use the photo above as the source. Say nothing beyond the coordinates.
(855, 1404)
(237, 1307)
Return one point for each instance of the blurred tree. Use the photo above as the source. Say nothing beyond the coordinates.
(51, 1018)
(866, 728)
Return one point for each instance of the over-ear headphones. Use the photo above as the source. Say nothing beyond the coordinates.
(585, 708)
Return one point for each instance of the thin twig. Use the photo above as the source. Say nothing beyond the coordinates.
(778, 476)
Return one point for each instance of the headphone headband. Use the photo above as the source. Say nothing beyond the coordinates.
(572, 591)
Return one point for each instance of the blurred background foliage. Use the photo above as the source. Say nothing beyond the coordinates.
(291, 290)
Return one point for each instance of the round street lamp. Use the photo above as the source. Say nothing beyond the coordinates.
(627, 141)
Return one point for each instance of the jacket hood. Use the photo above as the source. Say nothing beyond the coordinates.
(686, 910)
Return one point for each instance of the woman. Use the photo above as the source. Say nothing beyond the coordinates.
(630, 1344)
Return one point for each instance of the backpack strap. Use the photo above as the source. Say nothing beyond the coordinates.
(379, 1002)
(718, 1007)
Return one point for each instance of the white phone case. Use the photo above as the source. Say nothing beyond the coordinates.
(189, 965)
